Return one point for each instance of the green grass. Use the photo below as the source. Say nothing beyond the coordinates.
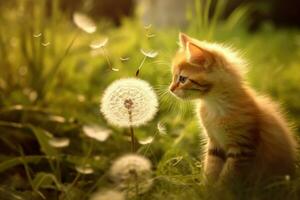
(66, 79)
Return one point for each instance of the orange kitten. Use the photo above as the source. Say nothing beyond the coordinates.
(247, 137)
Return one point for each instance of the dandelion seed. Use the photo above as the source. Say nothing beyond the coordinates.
(287, 177)
(161, 127)
(124, 59)
(114, 69)
(86, 169)
(45, 44)
(150, 35)
(23, 70)
(97, 158)
(59, 142)
(33, 96)
(37, 35)
(148, 26)
(147, 140)
(108, 195)
(132, 173)
(96, 132)
(99, 44)
(149, 54)
(136, 92)
(57, 118)
(81, 98)
(84, 23)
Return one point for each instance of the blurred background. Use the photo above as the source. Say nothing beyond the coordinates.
(56, 58)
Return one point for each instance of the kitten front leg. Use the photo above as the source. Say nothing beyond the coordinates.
(213, 162)
(238, 162)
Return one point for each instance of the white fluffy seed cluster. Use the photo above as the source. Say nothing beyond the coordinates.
(132, 173)
(129, 95)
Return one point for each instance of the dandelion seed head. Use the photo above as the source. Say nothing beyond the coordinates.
(84, 22)
(108, 195)
(129, 102)
(149, 54)
(130, 171)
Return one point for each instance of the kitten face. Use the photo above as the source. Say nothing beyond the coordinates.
(189, 82)
(192, 76)
(201, 69)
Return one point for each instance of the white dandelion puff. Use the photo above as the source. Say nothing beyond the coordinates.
(132, 173)
(96, 132)
(59, 142)
(129, 102)
(108, 195)
(84, 22)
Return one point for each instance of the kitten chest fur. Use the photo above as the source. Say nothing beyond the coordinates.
(217, 122)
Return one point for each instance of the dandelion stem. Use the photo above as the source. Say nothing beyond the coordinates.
(106, 57)
(142, 63)
(133, 148)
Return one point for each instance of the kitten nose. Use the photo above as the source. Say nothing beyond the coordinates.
(173, 87)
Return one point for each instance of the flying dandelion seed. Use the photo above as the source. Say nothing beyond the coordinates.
(99, 44)
(59, 142)
(115, 69)
(84, 23)
(132, 173)
(37, 35)
(124, 59)
(45, 44)
(108, 195)
(161, 127)
(147, 140)
(57, 118)
(129, 102)
(150, 35)
(96, 132)
(148, 26)
(147, 54)
(86, 169)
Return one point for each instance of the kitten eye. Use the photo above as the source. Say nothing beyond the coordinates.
(182, 79)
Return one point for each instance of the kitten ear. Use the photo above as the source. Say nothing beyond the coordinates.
(197, 55)
(183, 40)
